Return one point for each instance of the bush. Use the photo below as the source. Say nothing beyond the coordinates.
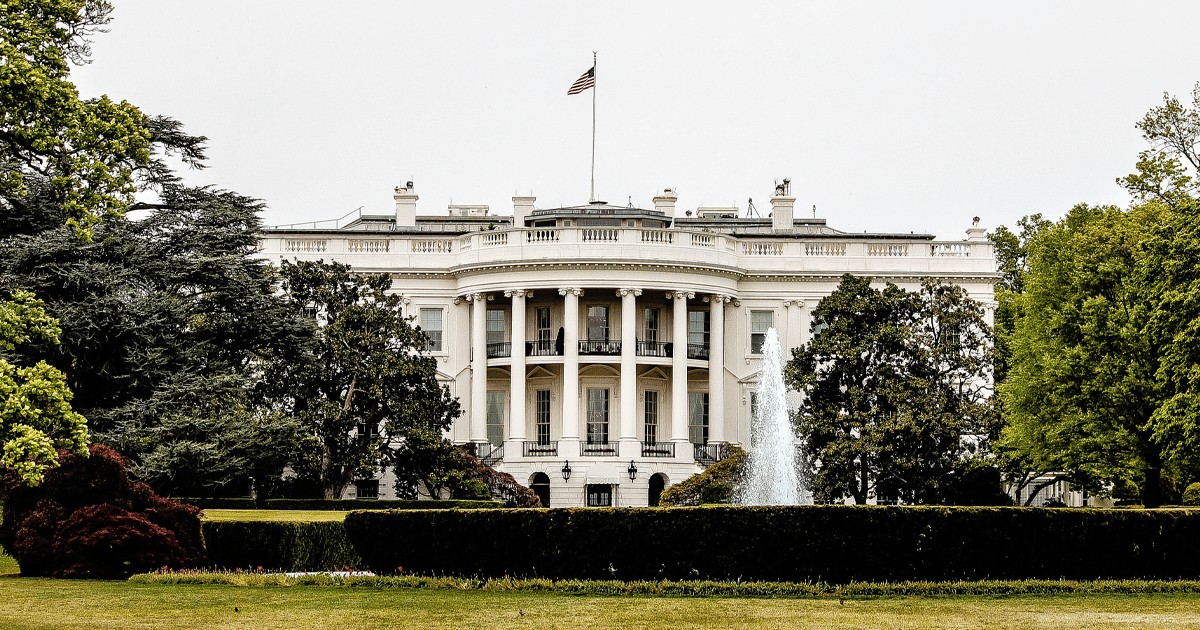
(715, 485)
(1191, 494)
(87, 520)
(279, 546)
(339, 504)
(831, 543)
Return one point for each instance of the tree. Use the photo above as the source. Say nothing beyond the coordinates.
(87, 155)
(367, 385)
(36, 419)
(892, 381)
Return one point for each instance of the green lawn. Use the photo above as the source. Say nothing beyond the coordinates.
(39, 603)
(290, 516)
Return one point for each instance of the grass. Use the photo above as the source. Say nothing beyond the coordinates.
(39, 603)
(288, 516)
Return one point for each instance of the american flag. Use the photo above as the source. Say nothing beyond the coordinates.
(585, 81)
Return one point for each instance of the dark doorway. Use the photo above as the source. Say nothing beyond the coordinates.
(540, 484)
(658, 481)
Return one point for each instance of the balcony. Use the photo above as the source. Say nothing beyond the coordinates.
(499, 350)
(604, 347)
(697, 351)
(600, 449)
(658, 449)
(654, 349)
(539, 449)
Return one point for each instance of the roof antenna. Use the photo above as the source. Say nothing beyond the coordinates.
(630, 201)
(751, 211)
(814, 210)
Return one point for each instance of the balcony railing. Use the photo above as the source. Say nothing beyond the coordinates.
(602, 449)
(499, 350)
(539, 449)
(488, 453)
(654, 349)
(697, 351)
(658, 449)
(600, 346)
(709, 454)
(543, 348)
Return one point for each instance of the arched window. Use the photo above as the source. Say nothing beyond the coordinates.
(540, 484)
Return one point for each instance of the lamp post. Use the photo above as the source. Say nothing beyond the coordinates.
(632, 471)
(566, 471)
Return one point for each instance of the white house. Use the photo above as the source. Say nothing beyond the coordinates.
(602, 352)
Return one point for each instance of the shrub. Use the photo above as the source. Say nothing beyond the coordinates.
(831, 543)
(339, 504)
(715, 485)
(1191, 494)
(279, 546)
(87, 520)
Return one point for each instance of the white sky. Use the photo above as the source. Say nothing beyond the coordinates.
(888, 116)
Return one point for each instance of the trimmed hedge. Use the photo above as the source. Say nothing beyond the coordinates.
(826, 543)
(246, 503)
(274, 546)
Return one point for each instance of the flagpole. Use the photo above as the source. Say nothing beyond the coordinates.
(592, 194)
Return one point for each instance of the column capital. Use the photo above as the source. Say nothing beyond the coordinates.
(680, 295)
(624, 292)
(571, 291)
(482, 297)
(509, 293)
(718, 298)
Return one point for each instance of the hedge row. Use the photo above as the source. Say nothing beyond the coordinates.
(683, 588)
(246, 503)
(834, 544)
(274, 546)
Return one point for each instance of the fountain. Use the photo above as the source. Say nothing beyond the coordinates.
(771, 475)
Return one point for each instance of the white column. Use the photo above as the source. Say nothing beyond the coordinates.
(679, 393)
(516, 390)
(716, 368)
(478, 367)
(629, 443)
(570, 393)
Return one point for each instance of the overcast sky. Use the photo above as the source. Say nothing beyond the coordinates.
(888, 116)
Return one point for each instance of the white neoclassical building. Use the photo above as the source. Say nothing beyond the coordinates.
(601, 352)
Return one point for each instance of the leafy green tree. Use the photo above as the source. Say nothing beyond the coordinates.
(36, 418)
(367, 386)
(895, 390)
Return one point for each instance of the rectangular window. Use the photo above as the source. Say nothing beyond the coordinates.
(544, 330)
(753, 405)
(495, 326)
(431, 325)
(698, 417)
(366, 489)
(495, 418)
(760, 322)
(597, 323)
(542, 415)
(698, 328)
(651, 417)
(599, 495)
(597, 415)
(650, 325)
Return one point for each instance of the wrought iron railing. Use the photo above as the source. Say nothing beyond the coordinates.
(697, 351)
(499, 350)
(491, 454)
(658, 449)
(603, 449)
(599, 346)
(539, 449)
(654, 348)
(543, 348)
(709, 454)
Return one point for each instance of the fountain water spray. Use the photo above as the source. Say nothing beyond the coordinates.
(771, 473)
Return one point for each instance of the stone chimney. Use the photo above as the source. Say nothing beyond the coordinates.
(406, 205)
(976, 233)
(782, 207)
(665, 203)
(522, 208)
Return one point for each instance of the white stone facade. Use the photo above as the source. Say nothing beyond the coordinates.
(628, 336)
